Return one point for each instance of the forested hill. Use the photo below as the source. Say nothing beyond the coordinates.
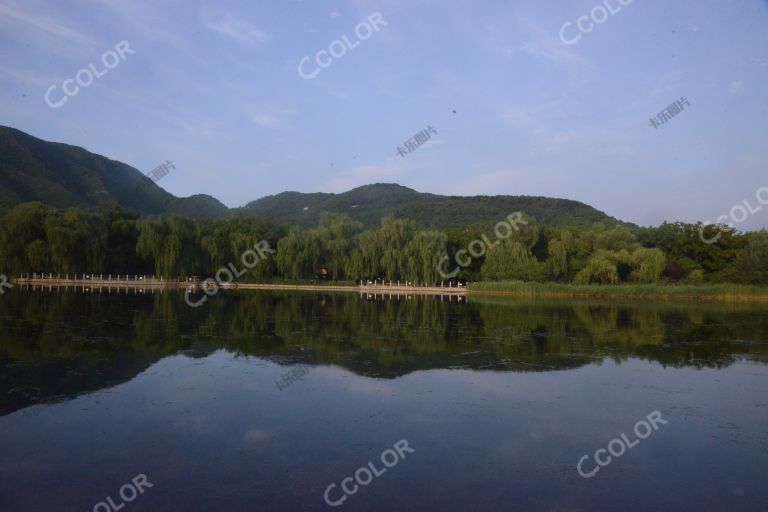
(370, 203)
(67, 176)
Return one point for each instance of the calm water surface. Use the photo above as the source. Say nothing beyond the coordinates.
(498, 399)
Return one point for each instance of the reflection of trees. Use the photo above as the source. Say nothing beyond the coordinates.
(680, 335)
(60, 344)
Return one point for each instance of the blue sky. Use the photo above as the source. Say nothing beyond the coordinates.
(214, 87)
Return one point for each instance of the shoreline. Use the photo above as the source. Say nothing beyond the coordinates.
(642, 293)
(723, 293)
(195, 285)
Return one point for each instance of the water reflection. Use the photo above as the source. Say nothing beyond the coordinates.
(57, 345)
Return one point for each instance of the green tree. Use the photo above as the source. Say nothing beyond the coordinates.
(648, 265)
(602, 268)
(512, 260)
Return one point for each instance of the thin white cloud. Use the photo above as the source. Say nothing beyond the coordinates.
(25, 76)
(14, 16)
(197, 128)
(736, 86)
(524, 115)
(268, 117)
(265, 120)
(47, 31)
(141, 20)
(601, 142)
(545, 44)
(238, 30)
(515, 116)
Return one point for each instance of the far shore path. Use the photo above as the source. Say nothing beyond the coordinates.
(139, 281)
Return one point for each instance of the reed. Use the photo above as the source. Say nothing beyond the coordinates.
(704, 292)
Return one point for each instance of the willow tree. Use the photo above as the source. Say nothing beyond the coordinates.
(172, 243)
(422, 256)
(226, 241)
(76, 241)
(364, 262)
(603, 267)
(750, 266)
(20, 228)
(512, 261)
(297, 255)
(557, 259)
(391, 238)
(336, 239)
(37, 255)
(648, 264)
(62, 244)
(560, 251)
(91, 235)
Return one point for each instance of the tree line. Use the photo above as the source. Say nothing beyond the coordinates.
(39, 238)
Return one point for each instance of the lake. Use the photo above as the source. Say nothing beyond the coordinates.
(310, 401)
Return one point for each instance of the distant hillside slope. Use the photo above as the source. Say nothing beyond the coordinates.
(368, 204)
(197, 207)
(66, 176)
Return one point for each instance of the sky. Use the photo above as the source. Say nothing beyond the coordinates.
(215, 88)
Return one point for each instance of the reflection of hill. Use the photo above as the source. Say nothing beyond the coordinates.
(52, 380)
(57, 345)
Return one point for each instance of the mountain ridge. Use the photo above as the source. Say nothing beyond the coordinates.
(64, 176)
(67, 176)
(369, 203)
